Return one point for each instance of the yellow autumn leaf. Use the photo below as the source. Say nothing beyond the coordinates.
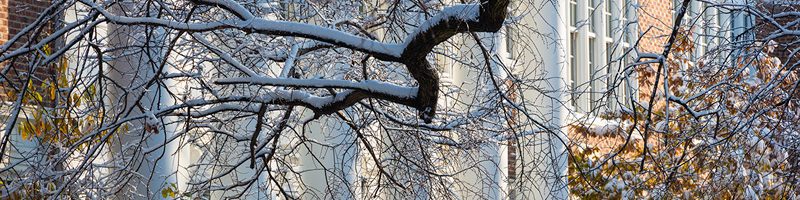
(23, 131)
(164, 193)
(11, 93)
(30, 84)
(53, 92)
(37, 96)
(41, 128)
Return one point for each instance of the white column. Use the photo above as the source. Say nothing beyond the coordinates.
(544, 156)
(494, 170)
(178, 157)
(497, 170)
(236, 151)
(78, 63)
(328, 171)
(157, 168)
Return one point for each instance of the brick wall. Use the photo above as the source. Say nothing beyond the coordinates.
(14, 16)
(656, 18)
(3, 21)
(655, 15)
(785, 44)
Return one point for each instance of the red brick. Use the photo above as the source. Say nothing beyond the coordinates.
(24, 13)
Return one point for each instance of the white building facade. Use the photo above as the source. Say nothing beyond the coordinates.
(577, 48)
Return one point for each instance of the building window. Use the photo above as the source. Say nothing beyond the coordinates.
(627, 89)
(718, 33)
(609, 52)
(573, 67)
(592, 23)
(610, 71)
(592, 73)
(708, 19)
(676, 4)
(626, 14)
(596, 71)
(707, 30)
(625, 8)
(608, 17)
(573, 10)
(510, 43)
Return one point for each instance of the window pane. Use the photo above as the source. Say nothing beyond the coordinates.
(591, 13)
(591, 51)
(609, 52)
(625, 7)
(573, 65)
(510, 44)
(591, 73)
(709, 25)
(608, 25)
(627, 89)
(609, 17)
(592, 22)
(573, 9)
(609, 80)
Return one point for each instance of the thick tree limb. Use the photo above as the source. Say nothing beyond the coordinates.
(487, 16)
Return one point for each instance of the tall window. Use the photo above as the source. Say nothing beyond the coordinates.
(623, 21)
(626, 9)
(676, 4)
(608, 17)
(510, 43)
(592, 73)
(573, 67)
(595, 73)
(609, 53)
(573, 51)
(592, 23)
(628, 90)
(610, 74)
(708, 20)
(573, 13)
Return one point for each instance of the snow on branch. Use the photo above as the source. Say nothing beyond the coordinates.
(685, 104)
(486, 16)
(463, 12)
(224, 56)
(368, 85)
(264, 26)
(306, 47)
(230, 6)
